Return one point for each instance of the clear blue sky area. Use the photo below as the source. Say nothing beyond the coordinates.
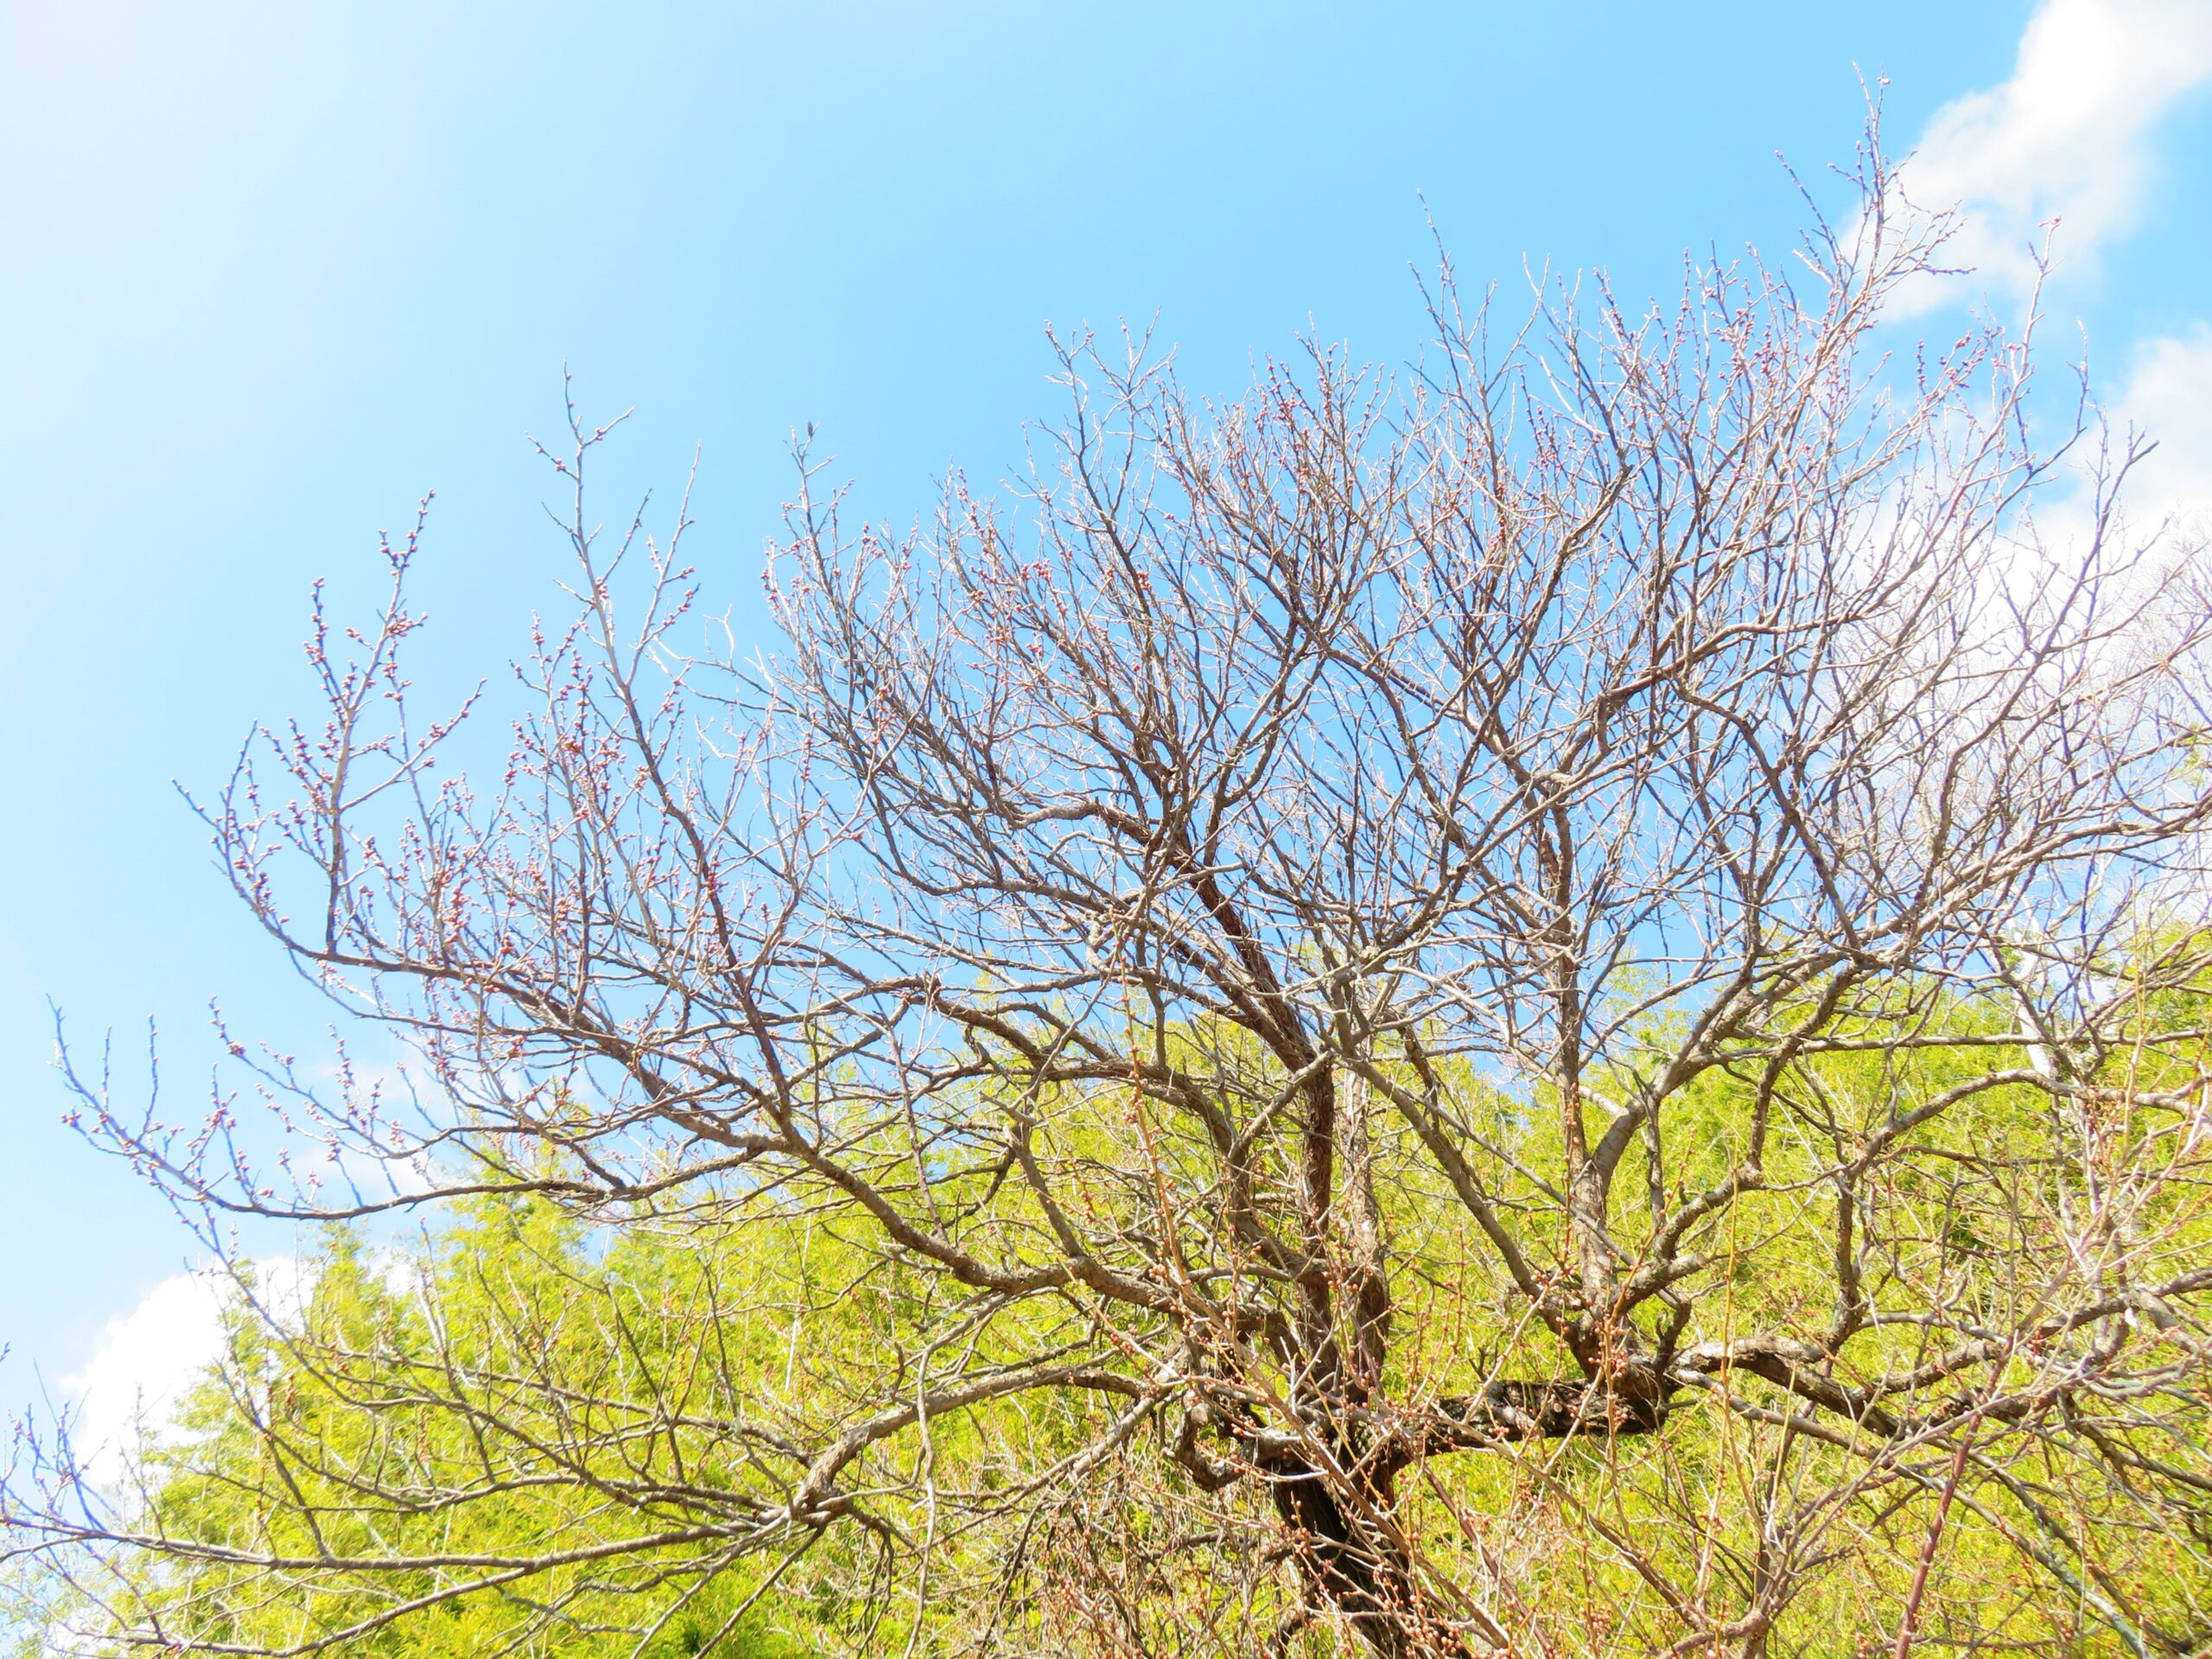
(268, 272)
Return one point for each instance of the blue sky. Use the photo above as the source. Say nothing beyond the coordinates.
(268, 272)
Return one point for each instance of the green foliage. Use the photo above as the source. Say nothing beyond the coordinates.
(510, 1387)
(521, 1404)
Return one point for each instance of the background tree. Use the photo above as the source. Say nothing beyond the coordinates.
(1553, 1006)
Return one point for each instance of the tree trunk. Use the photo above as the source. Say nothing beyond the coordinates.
(1366, 1576)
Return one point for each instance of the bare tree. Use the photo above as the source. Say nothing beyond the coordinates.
(1615, 888)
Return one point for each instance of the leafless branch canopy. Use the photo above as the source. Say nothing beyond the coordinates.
(1652, 831)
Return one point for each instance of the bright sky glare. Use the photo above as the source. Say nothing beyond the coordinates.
(273, 270)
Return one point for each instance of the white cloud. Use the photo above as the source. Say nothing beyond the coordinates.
(2166, 401)
(149, 1358)
(2066, 137)
(2168, 398)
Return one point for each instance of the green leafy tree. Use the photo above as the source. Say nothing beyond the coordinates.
(503, 1388)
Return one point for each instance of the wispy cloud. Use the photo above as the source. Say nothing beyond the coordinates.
(149, 1358)
(2070, 137)
(2168, 398)
(2067, 138)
